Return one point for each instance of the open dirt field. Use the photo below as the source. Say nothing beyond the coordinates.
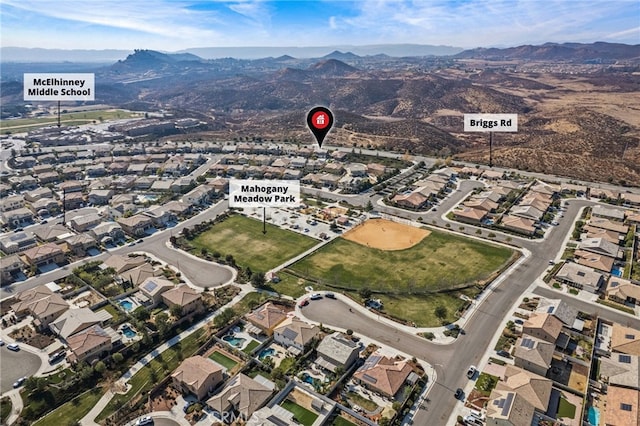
(386, 235)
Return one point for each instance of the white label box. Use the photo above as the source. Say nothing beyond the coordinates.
(59, 86)
(264, 193)
(491, 122)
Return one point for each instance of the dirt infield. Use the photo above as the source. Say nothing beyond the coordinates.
(386, 235)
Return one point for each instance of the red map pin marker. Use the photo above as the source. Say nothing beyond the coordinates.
(320, 120)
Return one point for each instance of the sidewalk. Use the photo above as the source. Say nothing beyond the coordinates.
(88, 420)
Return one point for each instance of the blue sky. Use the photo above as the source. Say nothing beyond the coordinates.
(171, 25)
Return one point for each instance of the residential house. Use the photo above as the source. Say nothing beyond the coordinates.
(272, 416)
(533, 354)
(593, 232)
(18, 217)
(242, 395)
(620, 370)
(528, 212)
(11, 202)
(188, 299)
(606, 212)
(122, 263)
(623, 407)
(469, 215)
(48, 177)
(91, 343)
(266, 317)
(153, 287)
(38, 194)
(483, 204)
(376, 169)
(295, 334)
(631, 199)
(43, 255)
(492, 174)
(625, 339)
(534, 388)
(356, 169)
(508, 408)
(75, 320)
(9, 266)
(52, 233)
(86, 222)
(382, 374)
(107, 232)
(41, 303)
(623, 291)
(99, 197)
(219, 184)
(23, 182)
(600, 246)
(139, 274)
(517, 224)
(45, 207)
(73, 200)
(594, 260)
(159, 216)
(177, 208)
(412, 200)
(581, 277)
(336, 350)
(559, 309)
(197, 375)
(335, 168)
(79, 244)
(199, 196)
(15, 242)
(136, 225)
(543, 326)
(602, 223)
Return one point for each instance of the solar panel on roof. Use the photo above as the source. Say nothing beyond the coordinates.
(289, 334)
(527, 343)
(368, 378)
(550, 309)
(630, 336)
(507, 404)
(625, 358)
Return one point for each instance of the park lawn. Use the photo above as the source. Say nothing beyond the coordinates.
(67, 119)
(71, 412)
(420, 309)
(566, 409)
(290, 285)
(440, 261)
(301, 414)
(223, 360)
(160, 367)
(242, 238)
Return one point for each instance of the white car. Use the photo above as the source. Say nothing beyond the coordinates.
(13, 347)
(471, 371)
(146, 420)
(316, 296)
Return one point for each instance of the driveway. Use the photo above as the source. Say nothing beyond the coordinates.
(16, 365)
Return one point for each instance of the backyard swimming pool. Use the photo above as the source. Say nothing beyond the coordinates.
(128, 332)
(127, 305)
(266, 353)
(234, 341)
(594, 416)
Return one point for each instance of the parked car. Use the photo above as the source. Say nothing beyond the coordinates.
(187, 405)
(471, 371)
(518, 321)
(57, 356)
(146, 420)
(19, 382)
(1, 342)
(470, 420)
(13, 347)
(316, 296)
(330, 295)
(459, 393)
(304, 303)
(503, 353)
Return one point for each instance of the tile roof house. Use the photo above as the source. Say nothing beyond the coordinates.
(600, 246)
(197, 375)
(140, 273)
(242, 395)
(89, 344)
(336, 350)
(621, 370)
(185, 297)
(40, 302)
(412, 200)
(543, 326)
(43, 255)
(534, 388)
(135, 225)
(295, 333)
(51, 233)
(623, 407)
(559, 309)
(580, 277)
(123, 263)
(15, 242)
(533, 354)
(469, 215)
(625, 339)
(508, 408)
(623, 291)
(594, 260)
(382, 374)
(603, 223)
(606, 212)
(9, 266)
(518, 224)
(266, 317)
(76, 320)
(153, 287)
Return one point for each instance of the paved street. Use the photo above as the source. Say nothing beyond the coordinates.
(16, 365)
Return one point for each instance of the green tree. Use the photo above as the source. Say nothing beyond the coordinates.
(224, 317)
(117, 357)
(100, 368)
(441, 312)
(369, 206)
(176, 311)
(162, 322)
(365, 293)
(258, 279)
(141, 314)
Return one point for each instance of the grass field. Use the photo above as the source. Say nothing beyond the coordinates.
(71, 412)
(341, 421)
(301, 414)
(71, 119)
(223, 360)
(251, 346)
(566, 409)
(439, 262)
(242, 237)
